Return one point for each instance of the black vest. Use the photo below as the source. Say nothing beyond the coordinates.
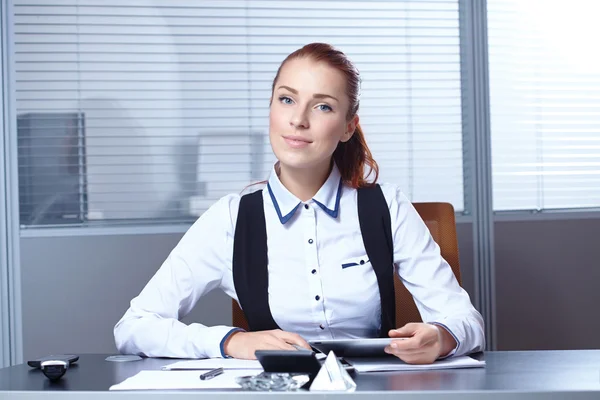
(250, 261)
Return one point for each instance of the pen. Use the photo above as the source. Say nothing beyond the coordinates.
(300, 348)
(211, 374)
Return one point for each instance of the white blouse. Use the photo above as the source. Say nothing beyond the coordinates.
(321, 284)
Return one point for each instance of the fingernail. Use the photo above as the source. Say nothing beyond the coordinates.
(394, 345)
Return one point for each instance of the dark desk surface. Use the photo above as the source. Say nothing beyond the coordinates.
(516, 375)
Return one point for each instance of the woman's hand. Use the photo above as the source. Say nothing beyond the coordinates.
(244, 344)
(423, 343)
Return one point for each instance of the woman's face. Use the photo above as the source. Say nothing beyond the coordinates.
(308, 113)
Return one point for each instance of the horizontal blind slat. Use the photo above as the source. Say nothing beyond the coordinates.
(166, 88)
(544, 96)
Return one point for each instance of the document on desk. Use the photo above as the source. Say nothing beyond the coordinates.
(395, 364)
(174, 380)
(211, 363)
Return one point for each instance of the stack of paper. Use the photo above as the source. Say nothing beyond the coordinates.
(186, 375)
(173, 380)
(395, 364)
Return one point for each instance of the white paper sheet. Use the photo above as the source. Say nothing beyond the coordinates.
(390, 364)
(211, 363)
(173, 380)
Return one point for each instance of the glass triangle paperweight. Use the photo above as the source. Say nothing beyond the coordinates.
(332, 377)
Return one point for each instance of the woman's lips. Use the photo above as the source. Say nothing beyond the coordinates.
(296, 142)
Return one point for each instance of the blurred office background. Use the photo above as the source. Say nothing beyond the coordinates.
(124, 121)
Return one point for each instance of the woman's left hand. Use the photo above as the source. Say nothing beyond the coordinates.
(423, 343)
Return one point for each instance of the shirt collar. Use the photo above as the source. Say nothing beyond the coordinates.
(286, 204)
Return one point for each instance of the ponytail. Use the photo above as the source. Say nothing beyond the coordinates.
(353, 158)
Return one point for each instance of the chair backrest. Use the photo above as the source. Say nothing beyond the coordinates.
(439, 218)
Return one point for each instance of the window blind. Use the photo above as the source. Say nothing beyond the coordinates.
(545, 104)
(151, 111)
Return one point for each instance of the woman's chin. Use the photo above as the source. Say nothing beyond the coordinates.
(295, 164)
(294, 159)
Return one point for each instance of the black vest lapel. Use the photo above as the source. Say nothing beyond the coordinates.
(376, 230)
(250, 263)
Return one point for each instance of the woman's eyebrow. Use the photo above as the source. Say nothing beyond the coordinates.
(316, 95)
(323, 96)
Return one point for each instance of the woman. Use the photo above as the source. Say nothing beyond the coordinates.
(302, 256)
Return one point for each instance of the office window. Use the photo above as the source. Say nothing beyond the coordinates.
(151, 111)
(545, 103)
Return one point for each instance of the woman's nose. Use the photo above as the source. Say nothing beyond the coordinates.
(299, 120)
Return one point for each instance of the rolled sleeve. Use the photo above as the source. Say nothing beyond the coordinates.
(210, 341)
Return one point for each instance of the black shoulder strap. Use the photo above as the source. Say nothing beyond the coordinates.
(250, 263)
(250, 257)
(376, 230)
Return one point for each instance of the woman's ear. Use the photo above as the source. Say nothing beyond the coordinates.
(350, 128)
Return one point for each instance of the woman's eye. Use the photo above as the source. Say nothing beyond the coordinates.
(324, 107)
(285, 100)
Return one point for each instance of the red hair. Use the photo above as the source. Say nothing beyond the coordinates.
(353, 157)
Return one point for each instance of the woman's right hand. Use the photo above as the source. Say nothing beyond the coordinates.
(244, 344)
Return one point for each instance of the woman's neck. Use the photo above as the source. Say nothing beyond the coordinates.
(304, 183)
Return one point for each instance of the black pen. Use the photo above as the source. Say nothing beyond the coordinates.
(300, 348)
(211, 374)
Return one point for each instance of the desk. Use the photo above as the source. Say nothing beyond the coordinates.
(514, 375)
